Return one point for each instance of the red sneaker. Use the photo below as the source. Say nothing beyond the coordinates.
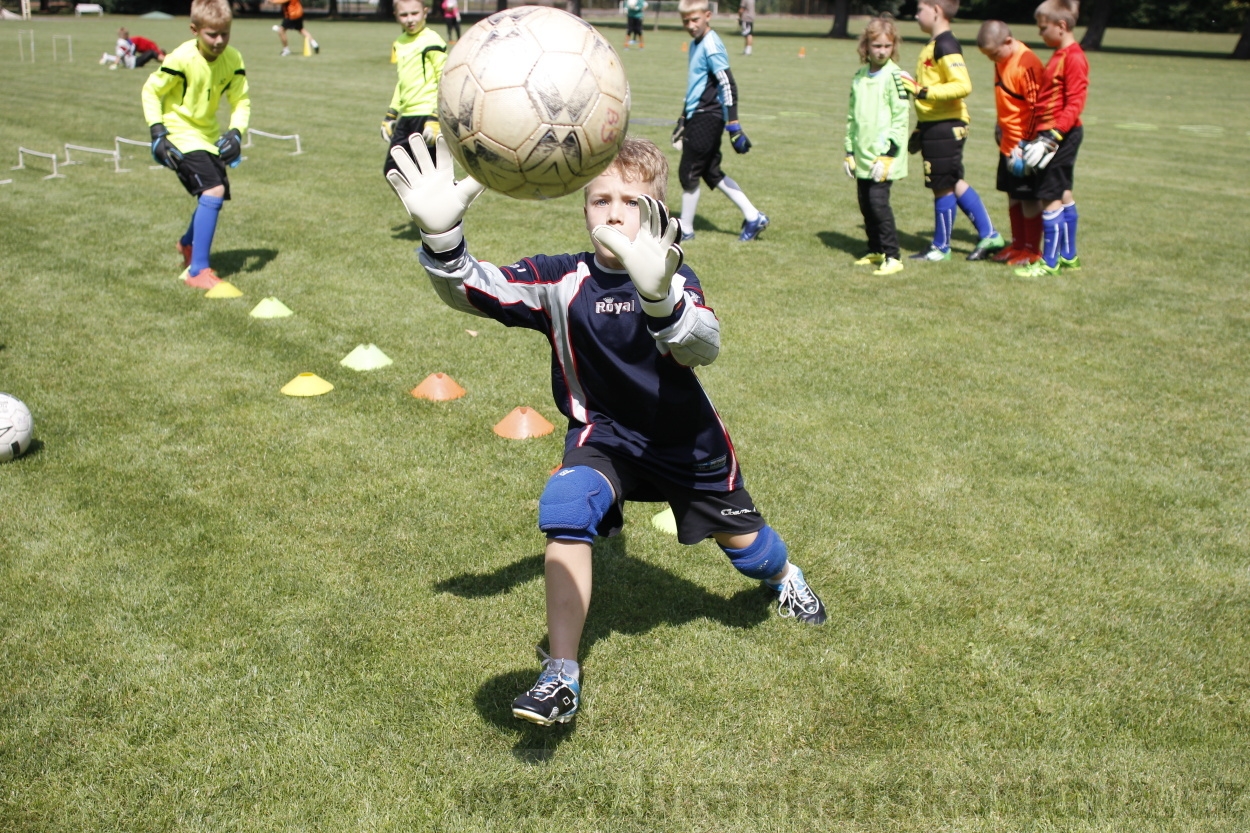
(1005, 255)
(185, 251)
(207, 279)
(1027, 257)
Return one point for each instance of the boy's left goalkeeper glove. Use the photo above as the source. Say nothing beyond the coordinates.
(912, 86)
(230, 147)
(652, 258)
(880, 170)
(738, 137)
(429, 191)
(1039, 152)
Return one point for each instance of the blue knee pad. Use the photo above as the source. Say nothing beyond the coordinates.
(763, 559)
(573, 502)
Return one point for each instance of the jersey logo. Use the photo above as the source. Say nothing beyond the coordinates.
(611, 306)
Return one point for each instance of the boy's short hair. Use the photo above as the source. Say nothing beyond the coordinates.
(992, 34)
(949, 8)
(1059, 11)
(882, 26)
(395, 5)
(688, 6)
(214, 13)
(641, 161)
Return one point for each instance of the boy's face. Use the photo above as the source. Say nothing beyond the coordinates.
(880, 49)
(1052, 31)
(611, 201)
(697, 24)
(411, 15)
(212, 40)
(927, 16)
(1000, 53)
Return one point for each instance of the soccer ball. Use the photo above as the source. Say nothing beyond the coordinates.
(16, 427)
(533, 102)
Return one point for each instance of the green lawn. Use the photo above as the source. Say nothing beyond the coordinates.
(1024, 502)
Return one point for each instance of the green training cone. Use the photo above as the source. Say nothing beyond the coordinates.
(270, 308)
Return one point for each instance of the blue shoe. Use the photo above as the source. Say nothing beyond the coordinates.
(795, 598)
(687, 235)
(555, 698)
(752, 230)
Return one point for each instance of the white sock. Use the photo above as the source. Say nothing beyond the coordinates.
(570, 668)
(689, 202)
(730, 189)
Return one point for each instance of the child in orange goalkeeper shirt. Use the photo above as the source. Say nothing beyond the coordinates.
(1017, 83)
(1052, 152)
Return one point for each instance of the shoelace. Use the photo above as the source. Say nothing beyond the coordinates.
(549, 680)
(795, 593)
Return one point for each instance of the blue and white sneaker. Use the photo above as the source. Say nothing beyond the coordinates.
(687, 235)
(795, 598)
(752, 229)
(555, 698)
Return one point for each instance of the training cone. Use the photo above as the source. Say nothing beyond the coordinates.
(366, 357)
(685, 47)
(307, 384)
(271, 308)
(225, 289)
(802, 52)
(439, 387)
(664, 521)
(522, 424)
(307, 48)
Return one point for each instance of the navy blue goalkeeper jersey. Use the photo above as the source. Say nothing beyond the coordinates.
(622, 378)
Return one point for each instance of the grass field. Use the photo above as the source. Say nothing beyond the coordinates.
(1024, 502)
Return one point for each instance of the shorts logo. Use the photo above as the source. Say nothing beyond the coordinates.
(614, 307)
(728, 512)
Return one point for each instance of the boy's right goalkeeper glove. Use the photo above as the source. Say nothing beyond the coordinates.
(679, 132)
(429, 191)
(164, 151)
(652, 258)
(388, 123)
(1039, 152)
(738, 137)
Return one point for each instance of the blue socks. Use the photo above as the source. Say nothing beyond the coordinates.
(970, 203)
(190, 235)
(203, 227)
(943, 219)
(1052, 233)
(1067, 249)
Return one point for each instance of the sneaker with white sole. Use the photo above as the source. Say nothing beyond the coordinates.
(796, 599)
(932, 254)
(752, 229)
(555, 698)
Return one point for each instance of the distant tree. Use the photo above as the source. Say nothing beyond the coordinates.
(1241, 51)
(1099, 19)
(841, 16)
(386, 9)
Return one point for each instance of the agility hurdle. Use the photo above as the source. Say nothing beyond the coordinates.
(250, 133)
(69, 44)
(111, 154)
(21, 162)
(22, 34)
(118, 141)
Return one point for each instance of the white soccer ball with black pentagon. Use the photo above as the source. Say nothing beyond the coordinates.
(533, 102)
(17, 426)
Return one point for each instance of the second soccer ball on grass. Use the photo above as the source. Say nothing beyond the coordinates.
(534, 102)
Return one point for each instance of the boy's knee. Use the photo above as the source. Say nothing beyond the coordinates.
(763, 559)
(573, 503)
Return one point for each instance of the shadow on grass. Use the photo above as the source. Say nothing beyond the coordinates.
(630, 597)
(858, 245)
(407, 231)
(236, 261)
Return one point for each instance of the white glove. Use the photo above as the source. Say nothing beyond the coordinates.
(1039, 152)
(880, 170)
(652, 258)
(848, 165)
(428, 189)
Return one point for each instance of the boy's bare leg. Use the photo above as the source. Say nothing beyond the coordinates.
(568, 578)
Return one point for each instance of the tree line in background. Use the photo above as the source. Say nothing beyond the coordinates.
(1096, 15)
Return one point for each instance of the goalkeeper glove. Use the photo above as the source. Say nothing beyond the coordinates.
(388, 123)
(164, 151)
(431, 131)
(679, 132)
(913, 141)
(1039, 152)
(912, 87)
(230, 147)
(880, 170)
(651, 258)
(429, 191)
(738, 137)
(848, 165)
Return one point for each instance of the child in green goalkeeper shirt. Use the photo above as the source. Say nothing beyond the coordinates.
(420, 55)
(180, 102)
(876, 130)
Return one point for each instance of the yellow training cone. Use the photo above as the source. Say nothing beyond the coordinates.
(307, 384)
(664, 521)
(225, 289)
(307, 48)
(271, 308)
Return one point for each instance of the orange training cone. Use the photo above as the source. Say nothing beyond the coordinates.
(522, 424)
(685, 47)
(802, 52)
(439, 387)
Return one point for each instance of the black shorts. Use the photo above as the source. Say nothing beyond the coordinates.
(404, 127)
(942, 147)
(200, 170)
(698, 513)
(1058, 176)
(1015, 187)
(633, 26)
(700, 152)
(295, 23)
(748, 27)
